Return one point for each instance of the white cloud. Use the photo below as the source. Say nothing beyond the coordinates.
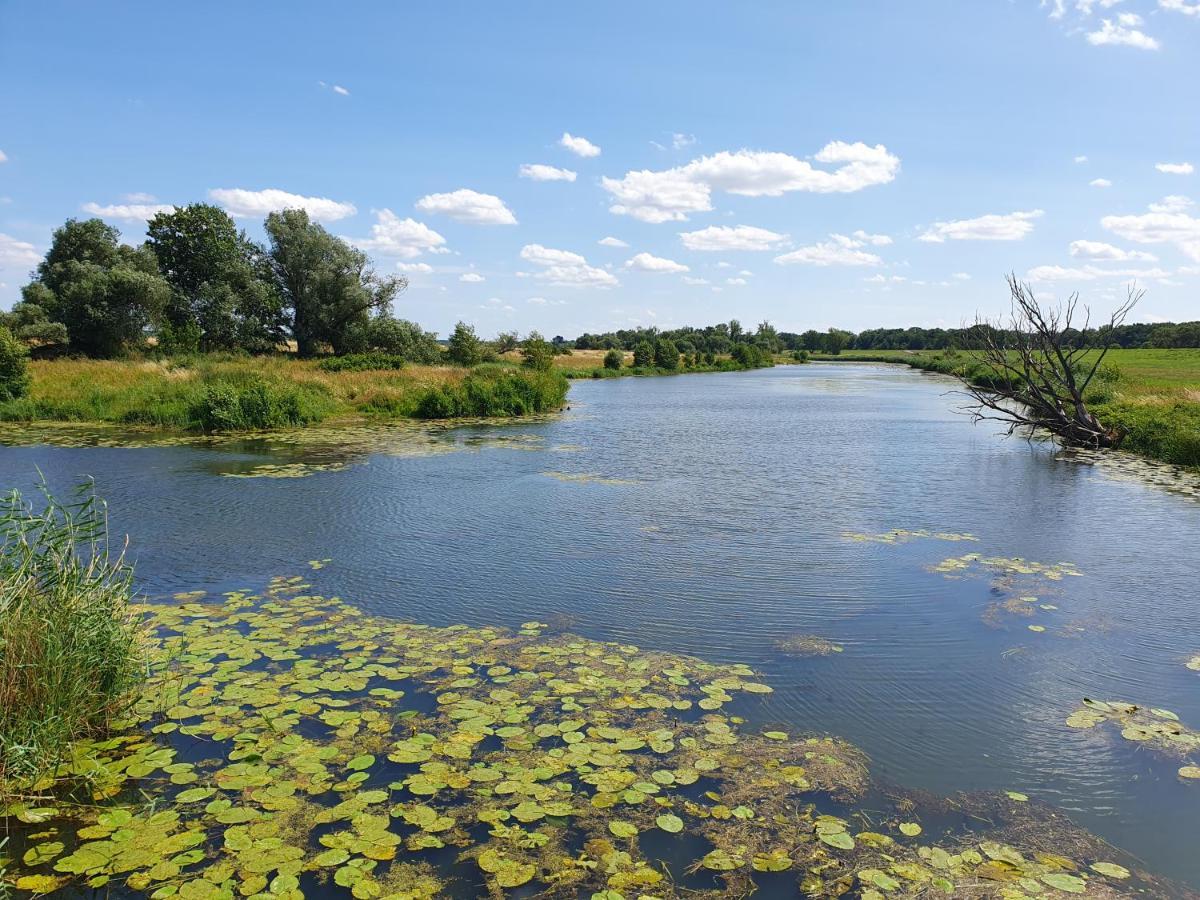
(471, 277)
(539, 172)
(1100, 183)
(580, 146)
(645, 262)
(688, 279)
(564, 268)
(735, 281)
(1090, 273)
(682, 141)
(674, 194)
(879, 240)
(1101, 250)
(839, 250)
(413, 268)
(1183, 168)
(139, 197)
(1124, 33)
(1172, 203)
(16, 254)
(1081, 159)
(1181, 6)
(1008, 227)
(611, 242)
(405, 238)
(1176, 228)
(133, 212)
(241, 203)
(746, 272)
(724, 237)
(465, 205)
(338, 89)
(961, 276)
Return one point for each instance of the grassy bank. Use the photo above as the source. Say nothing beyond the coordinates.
(581, 364)
(224, 393)
(1154, 395)
(69, 648)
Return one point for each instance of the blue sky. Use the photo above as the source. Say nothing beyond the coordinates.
(846, 164)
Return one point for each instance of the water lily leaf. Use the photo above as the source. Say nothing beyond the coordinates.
(1189, 771)
(42, 853)
(1017, 796)
(1112, 870)
(910, 829)
(670, 823)
(839, 839)
(361, 762)
(1071, 884)
(40, 884)
(622, 829)
(720, 861)
(771, 861)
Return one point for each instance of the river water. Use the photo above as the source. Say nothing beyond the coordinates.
(710, 515)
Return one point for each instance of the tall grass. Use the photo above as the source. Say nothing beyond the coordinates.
(495, 390)
(70, 655)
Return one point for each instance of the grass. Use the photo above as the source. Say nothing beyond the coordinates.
(229, 393)
(582, 364)
(70, 656)
(1154, 395)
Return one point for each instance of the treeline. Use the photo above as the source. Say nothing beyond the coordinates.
(715, 340)
(199, 284)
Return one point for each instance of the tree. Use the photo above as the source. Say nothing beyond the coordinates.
(537, 353)
(1034, 377)
(221, 280)
(326, 283)
(812, 340)
(399, 337)
(14, 366)
(643, 355)
(735, 330)
(507, 341)
(613, 359)
(836, 340)
(465, 347)
(768, 338)
(103, 292)
(666, 354)
(29, 321)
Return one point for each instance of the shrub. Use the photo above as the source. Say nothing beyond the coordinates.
(666, 354)
(643, 355)
(800, 356)
(361, 362)
(69, 650)
(495, 391)
(613, 359)
(226, 405)
(537, 353)
(14, 366)
(465, 347)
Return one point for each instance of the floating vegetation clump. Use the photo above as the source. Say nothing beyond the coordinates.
(1194, 663)
(976, 563)
(807, 645)
(904, 535)
(1127, 467)
(289, 745)
(1158, 729)
(286, 470)
(586, 478)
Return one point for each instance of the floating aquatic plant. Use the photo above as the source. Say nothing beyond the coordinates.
(807, 645)
(1158, 729)
(904, 535)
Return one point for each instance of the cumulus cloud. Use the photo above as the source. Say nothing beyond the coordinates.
(465, 205)
(611, 242)
(1008, 227)
(580, 146)
(879, 240)
(1160, 227)
(564, 268)
(241, 203)
(1172, 203)
(16, 254)
(1183, 168)
(405, 238)
(1101, 250)
(133, 212)
(839, 250)
(1124, 32)
(1181, 6)
(1090, 273)
(471, 277)
(539, 172)
(645, 262)
(689, 279)
(1100, 183)
(724, 237)
(735, 281)
(412, 268)
(672, 195)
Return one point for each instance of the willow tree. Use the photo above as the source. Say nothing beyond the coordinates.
(1038, 365)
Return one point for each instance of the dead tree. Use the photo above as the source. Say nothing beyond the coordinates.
(1037, 368)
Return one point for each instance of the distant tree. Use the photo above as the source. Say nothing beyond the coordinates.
(466, 349)
(643, 355)
(14, 366)
(613, 359)
(29, 321)
(326, 283)
(537, 353)
(812, 340)
(104, 293)
(835, 341)
(768, 338)
(507, 341)
(735, 330)
(220, 280)
(666, 354)
(382, 333)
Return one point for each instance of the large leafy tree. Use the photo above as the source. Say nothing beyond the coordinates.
(104, 292)
(327, 285)
(221, 282)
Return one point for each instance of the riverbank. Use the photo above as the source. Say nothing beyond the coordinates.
(1154, 395)
(216, 393)
(581, 364)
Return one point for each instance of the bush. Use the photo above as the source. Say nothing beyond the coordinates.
(225, 405)
(69, 650)
(537, 353)
(643, 355)
(395, 337)
(666, 354)
(495, 391)
(14, 366)
(750, 356)
(613, 359)
(361, 362)
(465, 347)
(800, 356)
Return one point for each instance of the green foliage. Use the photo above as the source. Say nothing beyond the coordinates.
(253, 403)
(495, 391)
(800, 356)
(69, 654)
(105, 293)
(613, 359)
(666, 354)
(507, 341)
(325, 282)
(836, 340)
(643, 355)
(29, 322)
(750, 356)
(465, 348)
(395, 337)
(1170, 432)
(14, 366)
(537, 353)
(362, 362)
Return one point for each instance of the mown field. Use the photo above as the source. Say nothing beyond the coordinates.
(1154, 395)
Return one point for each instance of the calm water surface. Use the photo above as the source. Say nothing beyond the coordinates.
(724, 534)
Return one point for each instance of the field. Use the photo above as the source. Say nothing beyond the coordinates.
(1154, 396)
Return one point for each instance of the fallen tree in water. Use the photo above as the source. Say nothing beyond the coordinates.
(1041, 366)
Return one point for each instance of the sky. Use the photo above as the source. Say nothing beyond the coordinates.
(579, 167)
